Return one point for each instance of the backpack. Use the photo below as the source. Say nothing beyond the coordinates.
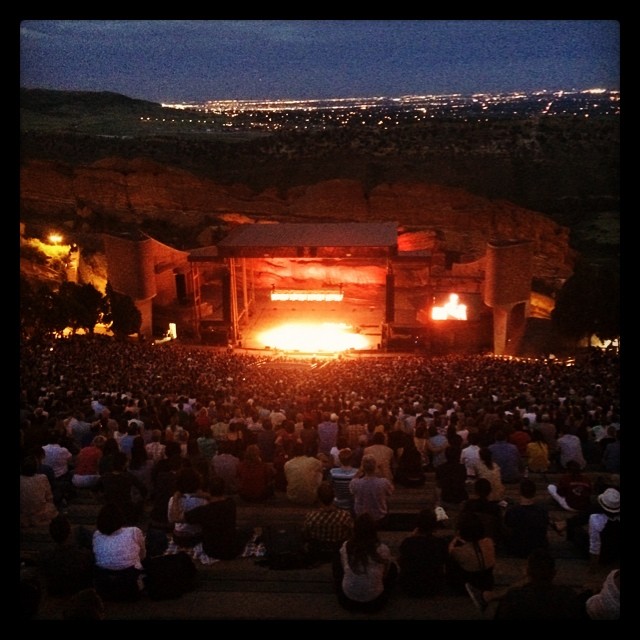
(170, 576)
(285, 549)
(610, 541)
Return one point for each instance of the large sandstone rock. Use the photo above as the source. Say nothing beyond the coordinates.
(434, 217)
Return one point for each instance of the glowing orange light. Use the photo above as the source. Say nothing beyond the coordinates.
(328, 337)
(55, 238)
(307, 296)
(450, 310)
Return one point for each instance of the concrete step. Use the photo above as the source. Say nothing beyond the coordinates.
(244, 589)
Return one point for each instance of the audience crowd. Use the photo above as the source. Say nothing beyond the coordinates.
(184, 430)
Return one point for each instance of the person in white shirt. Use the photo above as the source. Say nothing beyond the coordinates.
(470, 455)
(570, 448)
(118, 551)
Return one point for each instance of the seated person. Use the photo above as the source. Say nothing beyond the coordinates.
(526, 523)
(537, 598)
(490, 512)
(422, 558)
(325, 529)
(597, 535)
(451, 478)
(119, 551)
(574, 489)
(37, 508)
(188, 495)
(408, 471)
(221, 538)
(605, 604)
(472, 555)
(68, 568)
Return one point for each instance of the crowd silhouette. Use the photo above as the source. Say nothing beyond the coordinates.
(252, 422)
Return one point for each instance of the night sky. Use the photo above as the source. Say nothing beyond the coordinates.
(198, 60)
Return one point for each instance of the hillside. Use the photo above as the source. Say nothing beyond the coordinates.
(84, 156)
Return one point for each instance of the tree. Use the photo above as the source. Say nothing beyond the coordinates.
(83, 305)
(123, 314)
(589, 303)
(41, 310)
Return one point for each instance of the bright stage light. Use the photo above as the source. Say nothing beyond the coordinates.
(307, 296)
(328, 337)
(451, 310)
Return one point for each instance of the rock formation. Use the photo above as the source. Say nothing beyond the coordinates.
(125, 192)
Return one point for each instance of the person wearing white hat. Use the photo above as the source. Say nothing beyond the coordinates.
(604, 529)
(602, 540)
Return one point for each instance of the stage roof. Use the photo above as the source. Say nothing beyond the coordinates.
(306, 240)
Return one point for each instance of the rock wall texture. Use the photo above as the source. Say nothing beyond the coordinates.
(118, 191)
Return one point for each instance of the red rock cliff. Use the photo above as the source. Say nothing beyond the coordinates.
(439, 217)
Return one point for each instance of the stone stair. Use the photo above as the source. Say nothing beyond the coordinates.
(243, 589)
